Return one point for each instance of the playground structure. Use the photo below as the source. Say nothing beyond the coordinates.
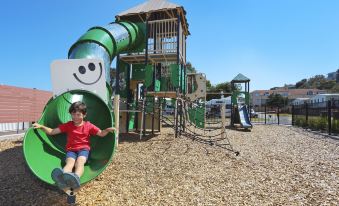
(149, 43)
(240, 103)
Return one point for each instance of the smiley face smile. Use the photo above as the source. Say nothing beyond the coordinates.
(82, 70)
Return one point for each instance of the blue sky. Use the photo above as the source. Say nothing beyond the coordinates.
(271, 42)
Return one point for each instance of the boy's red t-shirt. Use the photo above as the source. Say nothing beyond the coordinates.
(78, 137)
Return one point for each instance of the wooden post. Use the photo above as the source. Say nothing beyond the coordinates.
(292, 115)
(223, 121)
(117, 76)
(329, 116)
(142, 124)
(265, 112)
(143, 121)
(116, 118)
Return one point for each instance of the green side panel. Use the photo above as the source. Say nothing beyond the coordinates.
(43, 153)
(197, 116)
(123, 79)
(183, 80)
(149, 104)
(234, 97)
(131, 117)
(157, 85)
(175, 75)
(131, 121)
(102, 37)
(149, 75)
(138, 72)
(164, 83)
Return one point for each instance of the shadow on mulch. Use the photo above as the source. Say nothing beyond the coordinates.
(238, 129)
(135, 137)
(19, 186)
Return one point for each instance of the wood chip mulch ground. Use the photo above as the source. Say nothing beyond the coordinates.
(277, 165)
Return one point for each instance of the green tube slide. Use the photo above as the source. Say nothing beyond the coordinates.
(43, 153)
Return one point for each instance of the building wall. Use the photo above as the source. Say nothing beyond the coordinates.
(21, 104)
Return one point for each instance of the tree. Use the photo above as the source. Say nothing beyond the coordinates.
(190, 68)
(276, 100)
(208, 84)
(335, 88)
(300, 84)
(328, 85)
(225, 87)
(316, 81)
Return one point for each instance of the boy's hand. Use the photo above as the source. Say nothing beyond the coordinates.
(110, 129)
(104, 132)
(37, 126)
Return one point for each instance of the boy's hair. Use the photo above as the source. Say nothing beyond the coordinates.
(78, 107)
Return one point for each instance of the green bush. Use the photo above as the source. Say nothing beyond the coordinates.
(316, 123)
(300, 121)
(335, 125)
(312, 123)
(321, 123)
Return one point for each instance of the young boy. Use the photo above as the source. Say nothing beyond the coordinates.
(78, 145)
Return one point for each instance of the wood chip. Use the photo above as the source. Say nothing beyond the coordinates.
(277, 165)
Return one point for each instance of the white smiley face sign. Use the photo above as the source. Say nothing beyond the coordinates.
(83, 74)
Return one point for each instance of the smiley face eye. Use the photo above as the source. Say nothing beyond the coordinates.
(82, 70)
(91, 66)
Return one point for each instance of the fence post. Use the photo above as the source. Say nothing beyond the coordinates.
(265, 113)
(249, 112)
(292, 115)
(329, 116)
(278, 115)
(306, 115)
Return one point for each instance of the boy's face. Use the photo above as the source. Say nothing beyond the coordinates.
(77, 117)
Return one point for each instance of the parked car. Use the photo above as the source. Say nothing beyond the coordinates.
(169, 109)
(254, 114)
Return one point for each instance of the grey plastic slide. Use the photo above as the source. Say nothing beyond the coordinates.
(244, 118)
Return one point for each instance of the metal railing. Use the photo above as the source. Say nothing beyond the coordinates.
(270, 115)
(322, 116)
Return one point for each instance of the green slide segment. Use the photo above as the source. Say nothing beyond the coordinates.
(197, 116)
(43, 153)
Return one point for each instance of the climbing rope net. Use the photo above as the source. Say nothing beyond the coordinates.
(212, 133)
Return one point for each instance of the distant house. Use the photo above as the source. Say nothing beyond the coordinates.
(299, 101)
(323, 98)
(259, 97)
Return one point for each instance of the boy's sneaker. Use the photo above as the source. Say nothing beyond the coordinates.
(72, 180)
(57, 175)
